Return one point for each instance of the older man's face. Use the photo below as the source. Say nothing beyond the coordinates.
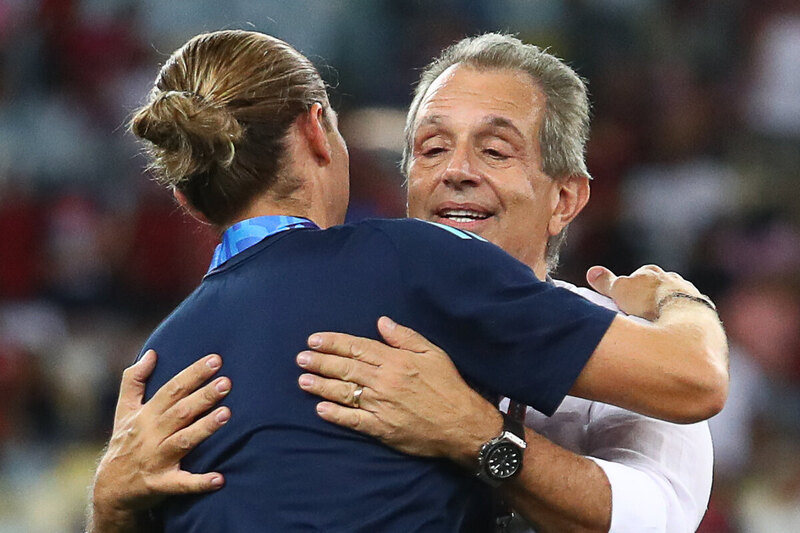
(476, 160)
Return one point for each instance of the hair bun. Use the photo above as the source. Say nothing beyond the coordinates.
(189, 134)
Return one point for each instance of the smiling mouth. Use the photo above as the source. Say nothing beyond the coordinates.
(462, 215)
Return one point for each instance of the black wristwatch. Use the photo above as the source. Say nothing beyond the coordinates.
(501, 458)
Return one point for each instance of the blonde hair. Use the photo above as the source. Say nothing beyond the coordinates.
(216, 120)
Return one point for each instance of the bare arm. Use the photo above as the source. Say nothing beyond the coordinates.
(558, 490)
(141, 464)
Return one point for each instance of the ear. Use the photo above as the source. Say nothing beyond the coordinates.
(188, 207)
(311, 126)
(573, 195)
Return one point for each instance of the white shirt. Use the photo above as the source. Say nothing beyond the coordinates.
(660, 473)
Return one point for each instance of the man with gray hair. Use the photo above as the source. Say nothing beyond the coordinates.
(564, 128)
(471, 165)
(495, 143)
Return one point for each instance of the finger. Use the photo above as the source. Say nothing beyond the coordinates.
(674, 276)
(359, 348)
(601, 279)
(337, 367)
(335, 390)
(188, 409)
(402, 337)
(183, 482)
(185, 382)
(653, 268)
(179, 444)
(134, 379)
(356, 419)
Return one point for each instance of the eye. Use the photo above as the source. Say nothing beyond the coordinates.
(432, 146)
(433, 151)
(495, 154)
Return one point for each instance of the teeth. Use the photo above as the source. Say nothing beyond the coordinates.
(463, 215)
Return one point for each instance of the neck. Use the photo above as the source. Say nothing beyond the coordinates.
(534, 258)
(540, 269)
(265, 206)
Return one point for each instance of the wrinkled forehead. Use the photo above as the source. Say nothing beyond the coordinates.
(467, 96)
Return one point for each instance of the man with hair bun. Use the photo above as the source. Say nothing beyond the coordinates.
(272, 185)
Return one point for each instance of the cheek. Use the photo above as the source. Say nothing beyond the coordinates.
(529, 217)
(415, 202)
(417, 194)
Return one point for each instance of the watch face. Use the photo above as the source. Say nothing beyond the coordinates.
(504, 460)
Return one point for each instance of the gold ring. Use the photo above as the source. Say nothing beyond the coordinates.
(357, 396)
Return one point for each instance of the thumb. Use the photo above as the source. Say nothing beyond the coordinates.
(402, 337)
(134, 379)
(601, 279)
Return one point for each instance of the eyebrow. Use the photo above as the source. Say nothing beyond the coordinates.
(496, 121)
(493, 121)
(430, 120)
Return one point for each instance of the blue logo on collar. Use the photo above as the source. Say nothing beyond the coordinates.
(246, 233)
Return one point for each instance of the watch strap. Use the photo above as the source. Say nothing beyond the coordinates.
(512, 424)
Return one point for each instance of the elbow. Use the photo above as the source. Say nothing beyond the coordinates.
(712, 397)
(707, 393)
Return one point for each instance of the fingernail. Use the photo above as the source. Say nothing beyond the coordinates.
(223, 416)
(303, 358)
(217, 481)
(223, 386)
(214, 362)
(322, 408)
(315, 341)
(149, 354)
(305, 380)
(391, 324)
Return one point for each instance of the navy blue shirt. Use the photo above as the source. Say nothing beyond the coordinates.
(288, 470)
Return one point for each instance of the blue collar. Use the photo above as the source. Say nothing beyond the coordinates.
(246, 233)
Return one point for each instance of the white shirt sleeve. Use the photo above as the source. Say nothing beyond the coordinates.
(660, 473)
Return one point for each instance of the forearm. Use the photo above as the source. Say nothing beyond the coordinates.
(674, 369)
(693, 356)
(701, 328)
(559, 491)
(556, 489)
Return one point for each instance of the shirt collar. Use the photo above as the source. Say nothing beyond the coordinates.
(246, 233)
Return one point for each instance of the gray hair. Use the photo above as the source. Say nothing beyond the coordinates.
(565, 128)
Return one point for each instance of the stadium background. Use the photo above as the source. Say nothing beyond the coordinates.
(695, 148)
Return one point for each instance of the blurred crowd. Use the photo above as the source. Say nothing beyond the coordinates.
(695, 151)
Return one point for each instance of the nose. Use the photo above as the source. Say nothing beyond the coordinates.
(461, 171)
